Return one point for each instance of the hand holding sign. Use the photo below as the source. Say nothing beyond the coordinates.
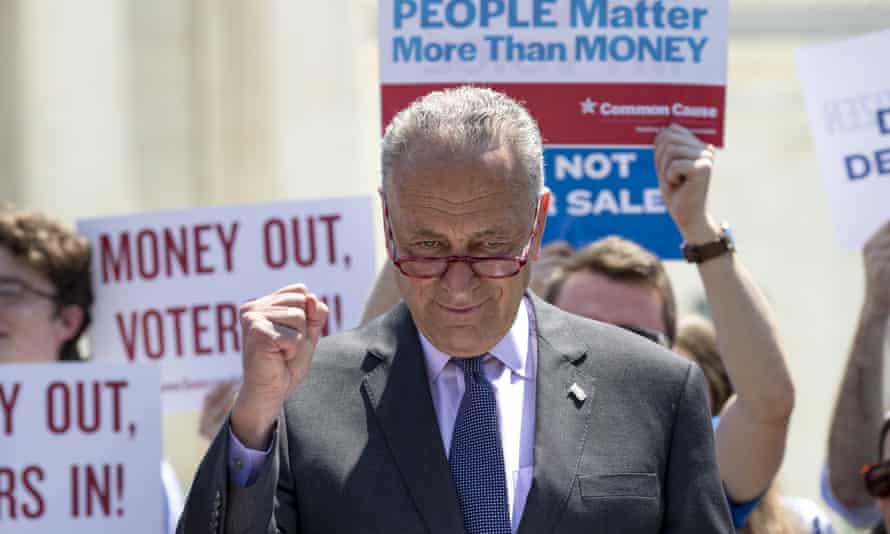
(281, 331)
(877, 272)
(683, 163)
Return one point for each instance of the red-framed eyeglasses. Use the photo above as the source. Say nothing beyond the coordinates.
(435, 267)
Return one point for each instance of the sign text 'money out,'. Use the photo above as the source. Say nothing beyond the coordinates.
(209, 248)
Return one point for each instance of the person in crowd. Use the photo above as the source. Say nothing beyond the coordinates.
(876, 481)
(616, 281)
(775, 513)
(46, 298)
(437, 416)
(45, 288)
(859, 409)
(385, 294)
(553, 256)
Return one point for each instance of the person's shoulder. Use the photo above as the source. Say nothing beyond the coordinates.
(348, 348)
(613, 350)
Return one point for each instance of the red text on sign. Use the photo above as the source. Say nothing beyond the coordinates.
(296, 241)
(335, 313)
(157, 333)
(97, 490)
(31, 504)
(79, 406)
(149, 253)
(8, 398)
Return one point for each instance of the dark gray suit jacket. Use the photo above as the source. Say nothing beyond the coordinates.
(358, 449)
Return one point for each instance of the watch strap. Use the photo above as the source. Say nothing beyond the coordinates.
(706, 251)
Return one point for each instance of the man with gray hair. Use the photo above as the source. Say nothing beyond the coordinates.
(472, 406)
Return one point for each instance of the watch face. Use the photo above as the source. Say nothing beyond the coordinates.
(727, 234)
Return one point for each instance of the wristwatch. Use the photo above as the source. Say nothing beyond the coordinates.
(704, 252)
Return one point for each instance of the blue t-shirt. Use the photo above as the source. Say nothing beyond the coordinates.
(739, 510)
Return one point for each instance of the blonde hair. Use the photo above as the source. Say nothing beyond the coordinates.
(696, 336)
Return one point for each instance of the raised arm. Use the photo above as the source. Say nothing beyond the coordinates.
(858, 412)
(280, 332)
(750, 439)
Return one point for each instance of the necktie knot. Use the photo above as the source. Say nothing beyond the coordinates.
(472, 367)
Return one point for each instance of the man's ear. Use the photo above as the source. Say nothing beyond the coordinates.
(540, 223)
(387, 232)
(69, 319)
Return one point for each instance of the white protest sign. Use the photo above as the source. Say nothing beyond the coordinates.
(81, 448)
(169, 285)
(847, 90)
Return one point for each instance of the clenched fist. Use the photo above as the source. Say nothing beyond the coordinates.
(280, 332)
(683, 164)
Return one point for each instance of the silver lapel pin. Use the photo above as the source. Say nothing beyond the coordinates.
(576, 391)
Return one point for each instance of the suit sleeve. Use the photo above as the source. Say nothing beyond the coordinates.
(695, 500)
(218, 504)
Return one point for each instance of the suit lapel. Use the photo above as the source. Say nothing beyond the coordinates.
(561, 419)
(398, 390)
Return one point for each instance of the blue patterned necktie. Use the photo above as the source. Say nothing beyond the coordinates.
(476, 458)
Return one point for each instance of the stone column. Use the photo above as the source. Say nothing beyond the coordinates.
(73, 95)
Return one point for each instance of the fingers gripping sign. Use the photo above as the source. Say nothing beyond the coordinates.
(281, 331)
(683, 164)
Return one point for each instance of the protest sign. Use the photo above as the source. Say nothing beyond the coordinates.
(81, 448)
(605, 73)
(600, 191)
(846, 86)
(169, 285)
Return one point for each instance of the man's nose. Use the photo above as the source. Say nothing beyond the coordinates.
(459, 277)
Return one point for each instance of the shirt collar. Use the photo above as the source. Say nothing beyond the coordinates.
(512, 350)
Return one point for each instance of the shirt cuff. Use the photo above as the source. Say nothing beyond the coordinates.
(246, 465)
(861, 517)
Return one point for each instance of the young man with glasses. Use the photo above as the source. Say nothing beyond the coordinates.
(860, 409)
(46, 297)
(617, 281)
(473, 406)
(45, 289)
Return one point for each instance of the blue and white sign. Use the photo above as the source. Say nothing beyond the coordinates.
(601, 191)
